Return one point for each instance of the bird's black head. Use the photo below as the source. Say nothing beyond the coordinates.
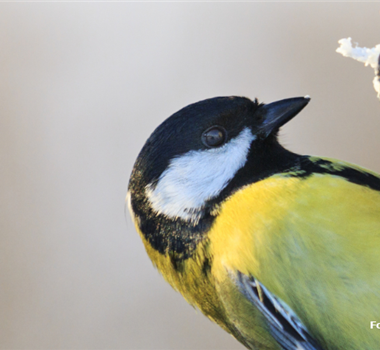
(192, 128)
(206, 150)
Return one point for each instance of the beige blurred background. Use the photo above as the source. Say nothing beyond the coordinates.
(82, 85)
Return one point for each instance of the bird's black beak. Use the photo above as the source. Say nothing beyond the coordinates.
(276, 114)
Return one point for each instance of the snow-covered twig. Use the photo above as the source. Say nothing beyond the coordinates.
(370, 57)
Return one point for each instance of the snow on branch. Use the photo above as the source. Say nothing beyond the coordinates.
(370, 57)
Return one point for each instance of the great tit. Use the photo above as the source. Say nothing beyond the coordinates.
(279, 249)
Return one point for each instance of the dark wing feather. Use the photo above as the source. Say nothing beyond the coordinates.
(285, 326)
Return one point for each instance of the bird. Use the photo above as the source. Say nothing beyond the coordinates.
(279, 249)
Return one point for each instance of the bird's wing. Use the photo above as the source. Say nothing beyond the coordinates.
(285, 327)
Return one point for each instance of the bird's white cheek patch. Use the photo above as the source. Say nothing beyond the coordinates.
(197, 176)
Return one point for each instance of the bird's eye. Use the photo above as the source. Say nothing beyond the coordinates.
(214, 136)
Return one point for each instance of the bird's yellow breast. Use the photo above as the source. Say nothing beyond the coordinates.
(313, 242)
